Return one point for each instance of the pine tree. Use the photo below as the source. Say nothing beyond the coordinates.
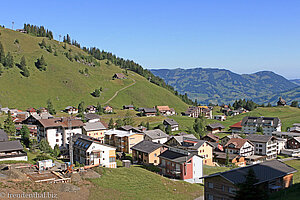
(99, 109)
(45, 147)
(2, 54)
(168, 129)
(9, 126)
(41, 63)
(43, 44)
(200, 126)
(119, 123)
(50, 107)
(227, 159)
(9, 60)
(23, 62)
(148, 126)
(25, 135)
(128, 119)
(55, 53)
(1, 69)
(295, 104)
(96, 93)
(111, 124)
(81, 107)
(56, 151)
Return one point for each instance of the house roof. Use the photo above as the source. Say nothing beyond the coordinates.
(274, 121)
(264, 171)
(237, 125)
(162, 108)
(259, 138)
(128, 106)
(237, 142)
(289, 134)
(85, 142)
(231, 136)
(119, 75)
(69, 107)
(3, 135)
(295, 129)
(216, 125)
(281, 101)
(120, 133)
(149, 110)
(11, 146)
(297, 139)
(146, 146)
(42, 116)
(94, 126)
(60, 122)
(212, 136)
(184, 134)
(91, 116)
(296, 124)
(175, 156)
(170, 122)
(129, 127)
(190, 110)
(156, 134)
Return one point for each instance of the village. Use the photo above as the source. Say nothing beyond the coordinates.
(81, 141)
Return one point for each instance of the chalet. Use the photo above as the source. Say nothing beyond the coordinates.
(199, 110)
(165, 110)
(220, 117)
(42, 110)
(148, 112)
(254, 159)
(177, 140)
(172, 123)
(226, 138)
(11, 150)
(272, 176)
(192, 112)
(21, 30)
(92, 117)
(58, 130)
(119, 76)
(91, 152)
(281, 144)
(147, 152)
(215, 127)
(108, 109)
(236, 128)
(180, 164)
(31, 110)
(268, 124)
(156, 135)
(186, 135)
(95, 130)
(34, 117)
(242, 147)
(205, 111)
(285, 135)
(281, 102)
(211, 138)
(32, 129)
(264, 145)
(5, 110)
(128, 107)
(234, 159)
(71, 110)
(91, 109)
(293, 143)
(123, 140)
(131, 128)
(295, 129)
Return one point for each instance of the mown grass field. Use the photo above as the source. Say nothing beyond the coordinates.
(64, 85)
(138, 183)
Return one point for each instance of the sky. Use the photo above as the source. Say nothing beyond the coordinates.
(243, 36)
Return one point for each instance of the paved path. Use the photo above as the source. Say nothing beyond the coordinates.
(117, 92)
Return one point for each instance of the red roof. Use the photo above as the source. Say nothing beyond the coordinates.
(189, 141)
(237, 125)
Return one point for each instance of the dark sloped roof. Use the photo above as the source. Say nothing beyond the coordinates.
(3, 136)
(149, 110)
(156, 134)
(146, 146)
(91, 116)
(259, 138)
(170, 122)
(175, 156)
(215, 125)
(260, 120)
(11, 146)
(264, 171)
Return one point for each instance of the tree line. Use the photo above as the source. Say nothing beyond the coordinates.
(38, 31)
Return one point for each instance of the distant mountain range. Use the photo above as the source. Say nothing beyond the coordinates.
(296, 81)
(212, 85)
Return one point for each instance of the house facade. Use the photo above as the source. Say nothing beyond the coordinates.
(268, 124)
(264, 145)
(123, 140)
(95, 130)
(234, 159)
(220, 117)
(293, 143)
(156, 135)
(147, 152)
(91, 152)
(172, 123)
(242, 147)
(180, 164)
(272, 176)
(58, 130)
(165, 110)
(215, 127)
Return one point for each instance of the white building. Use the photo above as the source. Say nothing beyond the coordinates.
(58, 130)
(220, 117)
(90, 152)
(242, 147)
(156, 135)
(268, 124)
(264, 145)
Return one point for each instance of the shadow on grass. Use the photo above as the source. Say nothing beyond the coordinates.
(291, 193)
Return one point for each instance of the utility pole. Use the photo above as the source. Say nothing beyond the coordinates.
(13, 25)
(59, 38)
(70, 140)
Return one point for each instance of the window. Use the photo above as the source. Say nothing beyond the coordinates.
(232, 190)
(57, 135)
(223, 187)
(210, 185)
(155, 155)
(112, 159)
(57, 140)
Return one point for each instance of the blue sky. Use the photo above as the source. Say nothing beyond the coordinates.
(242, 36)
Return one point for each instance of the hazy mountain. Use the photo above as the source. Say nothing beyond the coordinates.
(296, 81)
(223, 86)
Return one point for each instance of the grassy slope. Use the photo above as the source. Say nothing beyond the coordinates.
(138, 183)
(287, 115)
(64, 85)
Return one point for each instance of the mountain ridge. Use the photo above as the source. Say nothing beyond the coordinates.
(214, 85)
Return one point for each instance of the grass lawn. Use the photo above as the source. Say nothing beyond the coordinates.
(138, 183)
(207, 170)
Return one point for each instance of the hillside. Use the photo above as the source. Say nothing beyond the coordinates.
(296, 81)
(64, 85)
(209, 85)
